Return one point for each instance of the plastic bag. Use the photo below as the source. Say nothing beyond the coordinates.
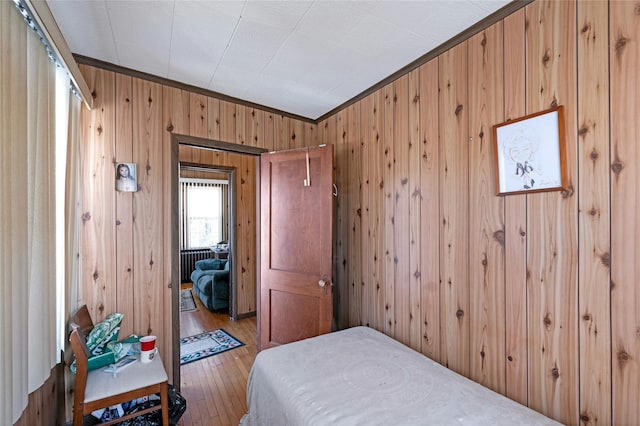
(177, 407)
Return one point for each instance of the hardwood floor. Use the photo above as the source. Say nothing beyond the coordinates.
(215, 387)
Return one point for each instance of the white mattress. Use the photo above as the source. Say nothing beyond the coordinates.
(360, 376)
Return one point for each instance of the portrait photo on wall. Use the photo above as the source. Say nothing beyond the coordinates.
(530, 153)
(126, 177)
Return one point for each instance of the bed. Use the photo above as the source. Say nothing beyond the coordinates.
(360, 376)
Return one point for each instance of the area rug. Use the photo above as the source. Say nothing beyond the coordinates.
(186, 301)
(204, 345)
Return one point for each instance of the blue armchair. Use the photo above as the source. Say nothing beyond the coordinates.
(211, 283)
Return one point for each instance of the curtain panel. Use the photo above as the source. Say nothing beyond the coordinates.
(28, 331)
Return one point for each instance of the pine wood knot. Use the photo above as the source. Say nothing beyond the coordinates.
(499, 236)
(583, 130)
(170, 128)
(568, 193)
(621, 43)
(86, 216)
(118, 222)
(458, 109)
(555, 373)
(99, 129)
(404, 181)
(547, 320)
(417, 274)
(510, 358)
(585, 418)
(606, 259)
(459, 313)
(546, 58)
(95, 275)
(94, 94)
(594, 155)
(623, 357)
(617, 167)
(585, 28)
(586, 317)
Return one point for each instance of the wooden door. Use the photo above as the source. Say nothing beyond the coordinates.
(296, 229)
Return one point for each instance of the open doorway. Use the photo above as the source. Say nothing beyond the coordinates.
(207, 237)
(241, 164)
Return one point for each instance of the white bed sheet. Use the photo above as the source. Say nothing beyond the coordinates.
(360, 376)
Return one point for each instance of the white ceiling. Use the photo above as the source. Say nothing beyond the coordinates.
(303, 57)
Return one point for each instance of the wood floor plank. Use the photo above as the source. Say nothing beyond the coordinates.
(215, 387)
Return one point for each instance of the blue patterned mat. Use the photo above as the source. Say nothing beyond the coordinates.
(206, 344)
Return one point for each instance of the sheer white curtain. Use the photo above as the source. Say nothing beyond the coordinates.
(27, 217)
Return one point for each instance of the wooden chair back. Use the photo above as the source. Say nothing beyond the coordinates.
(81, 324)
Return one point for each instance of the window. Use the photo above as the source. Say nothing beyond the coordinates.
(202, 206)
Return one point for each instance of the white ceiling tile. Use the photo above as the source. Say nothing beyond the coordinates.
(254, 44)
(86, 28)
(280, 14)
(141, 23)
(330, 21)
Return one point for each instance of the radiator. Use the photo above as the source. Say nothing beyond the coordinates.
(188, 260)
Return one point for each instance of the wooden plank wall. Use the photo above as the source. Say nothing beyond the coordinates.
(532, 295)
(126, 237)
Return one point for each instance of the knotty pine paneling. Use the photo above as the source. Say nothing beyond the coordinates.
(454, 209)
(148, 262)
(366, 243)
(375, 262)
(515, 217)
(400, 213)
(341, 253)
(413, 205)
(486, 212)
(175, 118)
(124, 205)
(354, 185)
(429, 211)
(552, 219)
(594, 301)
(98, 196)
(624, 77)
(386, 216)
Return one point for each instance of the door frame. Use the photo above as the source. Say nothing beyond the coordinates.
(176, 141)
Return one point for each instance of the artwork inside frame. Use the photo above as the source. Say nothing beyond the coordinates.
(126, 177)
(530, 153)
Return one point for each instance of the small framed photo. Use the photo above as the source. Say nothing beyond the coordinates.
(530, 153)
(126, 177)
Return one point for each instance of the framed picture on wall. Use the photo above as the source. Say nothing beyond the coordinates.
(126, 177)
(530, 153)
